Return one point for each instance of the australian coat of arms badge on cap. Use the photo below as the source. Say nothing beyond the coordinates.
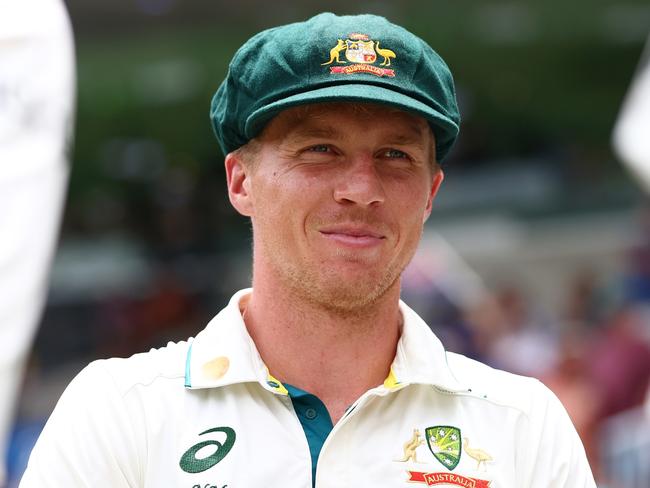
(363, 53)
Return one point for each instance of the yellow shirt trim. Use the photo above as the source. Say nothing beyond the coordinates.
(391, 381)
(275, 384)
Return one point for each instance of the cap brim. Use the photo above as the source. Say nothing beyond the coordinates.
(444, 128)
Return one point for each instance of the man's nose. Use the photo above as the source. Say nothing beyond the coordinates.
(360, 182)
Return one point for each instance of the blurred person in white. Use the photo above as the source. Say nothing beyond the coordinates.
(630, 136)
(626, 432)
(37, 93)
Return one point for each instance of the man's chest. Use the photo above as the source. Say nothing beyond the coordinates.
(424, 437)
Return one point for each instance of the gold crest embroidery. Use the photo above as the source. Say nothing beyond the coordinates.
(363, 53)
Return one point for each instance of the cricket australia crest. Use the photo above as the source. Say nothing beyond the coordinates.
(445, 444)
(363, 53)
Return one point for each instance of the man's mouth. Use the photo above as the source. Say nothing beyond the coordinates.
(353, 235)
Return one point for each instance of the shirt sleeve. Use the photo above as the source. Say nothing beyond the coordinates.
(89, 440)
(37, 101)
(556, 456)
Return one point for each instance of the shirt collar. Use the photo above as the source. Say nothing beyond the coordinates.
(224, 354)
(420, 357)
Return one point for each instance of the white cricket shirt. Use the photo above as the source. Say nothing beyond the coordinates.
(206, 413)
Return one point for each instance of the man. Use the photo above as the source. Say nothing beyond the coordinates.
(319, 375)
(37, 98)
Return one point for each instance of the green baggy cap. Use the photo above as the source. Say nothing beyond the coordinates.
(330, 58)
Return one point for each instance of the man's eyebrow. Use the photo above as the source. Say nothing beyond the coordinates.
(305, 131)
(412, 138)
(405, 140)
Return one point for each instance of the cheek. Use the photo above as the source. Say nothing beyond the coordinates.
(411, 200)
(409, 209)
(278, 208)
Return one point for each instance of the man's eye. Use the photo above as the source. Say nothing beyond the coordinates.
(396, 154)
(320, 148)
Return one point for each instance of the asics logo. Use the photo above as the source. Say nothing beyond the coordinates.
(190, 463)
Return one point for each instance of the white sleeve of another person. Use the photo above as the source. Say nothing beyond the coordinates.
(632, 131)
(37, 98)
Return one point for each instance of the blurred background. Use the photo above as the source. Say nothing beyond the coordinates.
(536, 258)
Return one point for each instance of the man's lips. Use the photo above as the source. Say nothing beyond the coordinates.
(357, 236)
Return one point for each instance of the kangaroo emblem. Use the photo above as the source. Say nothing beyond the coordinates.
(385, 53)
(335, 52)
(410, 446)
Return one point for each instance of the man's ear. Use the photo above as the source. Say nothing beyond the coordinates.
(238, 178)
(435, 186)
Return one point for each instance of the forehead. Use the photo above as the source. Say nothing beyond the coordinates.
(335, 118)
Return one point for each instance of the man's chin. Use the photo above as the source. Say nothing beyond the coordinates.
(348, 295)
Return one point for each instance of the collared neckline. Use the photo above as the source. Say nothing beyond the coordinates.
(224, 354)
(225, 337)
(420, 357)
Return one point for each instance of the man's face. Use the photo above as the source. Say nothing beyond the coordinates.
(337, 195)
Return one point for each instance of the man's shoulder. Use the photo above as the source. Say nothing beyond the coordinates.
(499, 387)
(161, 365)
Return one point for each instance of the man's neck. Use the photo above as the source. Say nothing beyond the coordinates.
(334, 356)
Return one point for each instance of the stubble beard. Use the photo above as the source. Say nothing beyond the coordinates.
(325, 289)
(340, 297)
